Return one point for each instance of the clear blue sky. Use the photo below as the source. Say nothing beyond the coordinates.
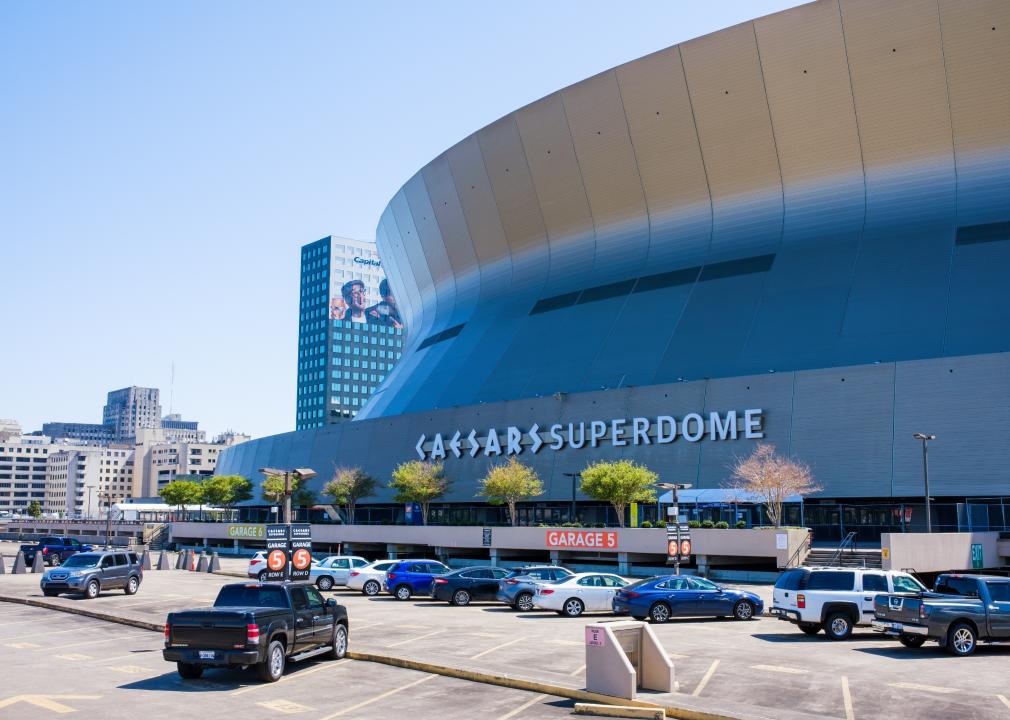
(161, 164)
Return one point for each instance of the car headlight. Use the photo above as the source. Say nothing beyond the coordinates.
(74, 574)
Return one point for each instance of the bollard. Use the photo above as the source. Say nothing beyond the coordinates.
(145, 561)
(19, 564)
(204, 564)
(39, 563)
(178, 560)
(215, 564)
(163, 561)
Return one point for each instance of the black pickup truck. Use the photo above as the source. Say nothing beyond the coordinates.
(960, 611)
(261, 625)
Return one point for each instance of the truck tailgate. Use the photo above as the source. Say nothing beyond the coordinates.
(898, 607)
(208, 629)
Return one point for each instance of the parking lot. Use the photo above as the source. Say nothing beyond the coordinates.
(764, 666)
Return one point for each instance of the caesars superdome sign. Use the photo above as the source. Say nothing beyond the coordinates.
(660, 430)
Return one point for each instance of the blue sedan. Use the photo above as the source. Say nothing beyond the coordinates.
(666, 596)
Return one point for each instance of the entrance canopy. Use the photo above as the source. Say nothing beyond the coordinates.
(718, 496)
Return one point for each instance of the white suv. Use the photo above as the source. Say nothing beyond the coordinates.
(834, 599)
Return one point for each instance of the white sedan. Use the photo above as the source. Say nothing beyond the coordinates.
(334, 570)
(576, 594)
(369, 578)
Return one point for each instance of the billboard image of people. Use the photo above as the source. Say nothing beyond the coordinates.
(354, 300)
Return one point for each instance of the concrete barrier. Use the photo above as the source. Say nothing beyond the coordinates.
(39, 563)
(204, 564)
(3, 568)
(163, 561)
(215, 564)
(19, 564)
(936, 552)
(145, 561)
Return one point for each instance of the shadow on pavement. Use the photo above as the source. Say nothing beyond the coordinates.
(931, 652)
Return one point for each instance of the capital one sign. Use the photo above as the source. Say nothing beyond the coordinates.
(619, 432)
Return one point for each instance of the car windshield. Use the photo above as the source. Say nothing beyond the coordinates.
(80, 561)
(701, 584)
(251, 596)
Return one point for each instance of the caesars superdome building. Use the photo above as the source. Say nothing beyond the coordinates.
(793, 231)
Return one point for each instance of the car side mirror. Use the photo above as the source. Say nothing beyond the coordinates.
(331, 603)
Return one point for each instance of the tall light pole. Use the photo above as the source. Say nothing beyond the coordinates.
(574, 476)
(108, 520)
(675, 507)
(925, 475)
(298, 474)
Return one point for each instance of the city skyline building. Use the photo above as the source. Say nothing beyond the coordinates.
(350, 333)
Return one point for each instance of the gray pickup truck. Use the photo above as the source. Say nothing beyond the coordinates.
(960, 611)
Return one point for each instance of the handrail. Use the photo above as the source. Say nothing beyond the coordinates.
(850, 539)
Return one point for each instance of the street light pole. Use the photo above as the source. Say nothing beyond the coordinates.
(675, 507)
(108, 520)
(925, 475)
(573, 476)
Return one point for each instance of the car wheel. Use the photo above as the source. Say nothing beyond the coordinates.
(743, 610)
(402, 592)
(461, 597)
(524, 602)
(371, 588)
(262, 577)
(92, 589)
(838, 626)
(961, 639)
(339, 642)
(50, 593)
(189, 671)
(573, 607)
(325, 583)
(54, 559)
(132, 585)
(810, 628)
(659, 613)
(639, 618)
(271, 669)
(911, 641)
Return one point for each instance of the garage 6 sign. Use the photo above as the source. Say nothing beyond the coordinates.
(583, 539)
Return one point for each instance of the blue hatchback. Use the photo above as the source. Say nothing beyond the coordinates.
(660, 598)
(413, 577)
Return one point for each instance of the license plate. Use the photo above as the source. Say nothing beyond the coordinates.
(206, 654)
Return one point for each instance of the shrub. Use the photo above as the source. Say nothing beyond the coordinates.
(660, 524)
(741, 524)
(722, 525)
(693, 524)
(647, 524)
(707, 524)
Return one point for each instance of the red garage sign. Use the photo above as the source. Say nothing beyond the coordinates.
(588, 539)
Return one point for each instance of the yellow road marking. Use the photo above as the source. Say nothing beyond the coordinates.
(675, 656)
(1002, 699)
(22, 645)
(780, 669)
(377, 698)
(532, 701)
(486, 635)
(847, 699)
(708, 676)
(410, 640)
(284, 706)
(47, 702)
(41, 634)
(577, 670)
(289, 678)
(74, 657)
(926, 688)
(496, 647)
(130, 669)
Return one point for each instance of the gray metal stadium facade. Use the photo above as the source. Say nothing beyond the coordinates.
(795, 230)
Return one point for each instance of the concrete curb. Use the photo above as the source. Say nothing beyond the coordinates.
(95, 614)
(534, 686)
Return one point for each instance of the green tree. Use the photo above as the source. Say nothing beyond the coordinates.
(619, 483)
(272, 491)
(34, 509)
(347, 486)
(226, 490)
(182, 492)
(420, 482)
(508, 483)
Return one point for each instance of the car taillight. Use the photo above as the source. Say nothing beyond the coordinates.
(252, 633)
(168, 632)
(45, 550)
(511, 582)
(801, 601)
(391, 576)
(923, 613)
(441, 581)
(354, 573)
(546, 591)
(629, 594)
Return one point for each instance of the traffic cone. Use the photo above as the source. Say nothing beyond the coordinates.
(163, 561)
(194, 560)
(39, 564)
(19, 564)
(215, 564)
(145, 561)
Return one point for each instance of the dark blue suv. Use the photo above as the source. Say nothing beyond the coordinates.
(412, 577)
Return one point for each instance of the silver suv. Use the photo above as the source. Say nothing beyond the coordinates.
(89, 573)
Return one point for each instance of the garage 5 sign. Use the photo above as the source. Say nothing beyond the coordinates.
(619, 432)
(584, 539)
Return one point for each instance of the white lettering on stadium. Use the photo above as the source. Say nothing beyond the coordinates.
(661, 430)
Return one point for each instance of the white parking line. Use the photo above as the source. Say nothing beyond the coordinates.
(708, 676)
(532, 701)
(926, 688)
(496, 647)
(577, 670)
(289, 678)
(780, 669)
(42, 633)
(1002, 699)
(410, 640)
(847, 699)
(384, 695)
(103, 640)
